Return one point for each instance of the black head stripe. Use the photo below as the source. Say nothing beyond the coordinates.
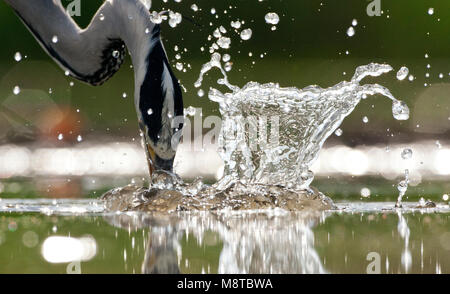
(152, 94)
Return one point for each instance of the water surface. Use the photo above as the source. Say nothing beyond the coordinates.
(48, 236)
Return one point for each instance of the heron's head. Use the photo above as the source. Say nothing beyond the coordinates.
(161, 110)
(161, 150)
(162, 129)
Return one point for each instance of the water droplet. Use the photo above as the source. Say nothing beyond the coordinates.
(194, 7)
(213, 11)
(60, 137)
(402, 73)
(224, 42)
(190, 111)
(400, 110)
(79, 138)
(101, 17)
(338, 132)
(226, 57)
(55, 39)
(445, 197)
(200, 93)
(350, 32)
(124, 95)
(228, 66)
(16, 90)
(272, 18)
(365, 192)
(402, 186)
(157, 18)
(431, 11)
(365, 119)
(150, 111)
(354, 22)
(246, 34)
(179, 66)
(17, 56)
(235, 24)
(407, 153)
(115, 54)
(174, 18)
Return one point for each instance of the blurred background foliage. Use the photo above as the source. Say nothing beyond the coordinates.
(308, 47)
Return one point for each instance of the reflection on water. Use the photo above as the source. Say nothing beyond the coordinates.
(258, 242)
(49, 236)
(404, 232)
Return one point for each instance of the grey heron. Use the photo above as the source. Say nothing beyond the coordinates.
(95, 53)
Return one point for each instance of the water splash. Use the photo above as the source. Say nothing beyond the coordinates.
(402, 188)
(300, 120)
(269, 139)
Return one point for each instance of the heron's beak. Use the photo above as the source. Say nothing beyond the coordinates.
(150, 158)
(155, 162)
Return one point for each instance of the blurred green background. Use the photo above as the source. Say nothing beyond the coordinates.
(308, 47)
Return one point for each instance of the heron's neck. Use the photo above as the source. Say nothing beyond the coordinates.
(137, 31)
(158, 97)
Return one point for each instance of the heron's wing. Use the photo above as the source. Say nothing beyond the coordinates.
(93, 54)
